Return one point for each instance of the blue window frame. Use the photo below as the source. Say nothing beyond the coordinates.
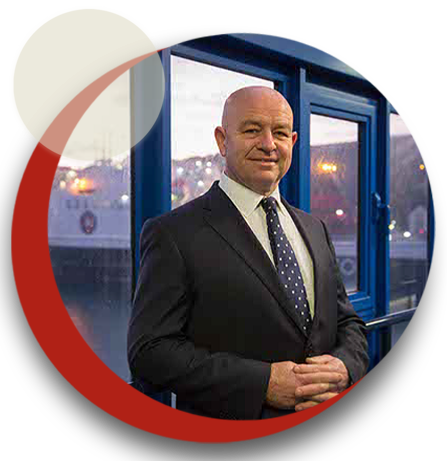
(336, 104)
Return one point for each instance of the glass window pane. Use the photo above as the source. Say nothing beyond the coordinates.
(89, 240)
(198, 95)
(334, 149)
(408, 218)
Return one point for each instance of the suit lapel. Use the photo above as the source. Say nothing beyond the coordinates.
(225, 219)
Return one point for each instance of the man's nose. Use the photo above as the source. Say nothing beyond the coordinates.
(267, 142)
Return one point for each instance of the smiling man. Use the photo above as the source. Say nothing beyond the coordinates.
(256, 138)
(240, 308)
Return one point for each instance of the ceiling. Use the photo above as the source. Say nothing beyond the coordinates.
(419, 46)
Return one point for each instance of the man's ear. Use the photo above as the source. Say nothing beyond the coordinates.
(219, 134)
(294, 138)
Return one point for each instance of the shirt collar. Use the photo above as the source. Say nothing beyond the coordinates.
(244, 198)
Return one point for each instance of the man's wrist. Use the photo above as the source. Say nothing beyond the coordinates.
(268, 391)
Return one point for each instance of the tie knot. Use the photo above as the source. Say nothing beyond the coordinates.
(269, 204)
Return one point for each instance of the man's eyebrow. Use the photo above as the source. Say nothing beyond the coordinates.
(283, 126)
(249, 122)
(280, 125)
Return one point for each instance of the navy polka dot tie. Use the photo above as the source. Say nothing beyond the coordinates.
(288, 269)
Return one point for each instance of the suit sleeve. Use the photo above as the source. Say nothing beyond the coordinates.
(351, 346)
(161, 354)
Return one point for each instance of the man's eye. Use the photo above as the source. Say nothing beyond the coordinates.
(282, 134)
(251, 130)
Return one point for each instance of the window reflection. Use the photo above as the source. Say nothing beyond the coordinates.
(408, 218)
(198, 95)
(334, 188)
(89, 241)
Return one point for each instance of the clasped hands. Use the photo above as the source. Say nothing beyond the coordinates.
(302, 386)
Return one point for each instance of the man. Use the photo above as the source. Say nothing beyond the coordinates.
(240, 309)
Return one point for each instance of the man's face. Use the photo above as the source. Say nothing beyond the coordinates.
(257, 139)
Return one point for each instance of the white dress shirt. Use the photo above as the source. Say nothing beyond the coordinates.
(249, 205)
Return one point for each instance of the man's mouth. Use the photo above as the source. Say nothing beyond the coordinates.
(265, 160)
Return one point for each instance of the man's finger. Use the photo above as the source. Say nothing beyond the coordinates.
(305, 405)
(314, 389)
(323, 397)
(319, 359)
(331, 377)
(307, 368)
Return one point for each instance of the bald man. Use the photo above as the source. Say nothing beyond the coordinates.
(240, 309)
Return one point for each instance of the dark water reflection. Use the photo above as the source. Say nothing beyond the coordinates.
(101, 313)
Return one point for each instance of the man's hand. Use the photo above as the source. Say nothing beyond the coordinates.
(302, 386)
(326, 375)
(282, 385)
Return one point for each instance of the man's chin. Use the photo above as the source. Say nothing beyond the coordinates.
(265, 185)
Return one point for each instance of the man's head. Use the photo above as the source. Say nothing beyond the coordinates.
(256, 138)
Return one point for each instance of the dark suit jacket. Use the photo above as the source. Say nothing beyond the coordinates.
(210, 314)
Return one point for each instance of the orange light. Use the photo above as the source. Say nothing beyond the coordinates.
(82, 185)
(328, 167)
(422, 166)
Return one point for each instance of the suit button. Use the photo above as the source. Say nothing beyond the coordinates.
(309, 350)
